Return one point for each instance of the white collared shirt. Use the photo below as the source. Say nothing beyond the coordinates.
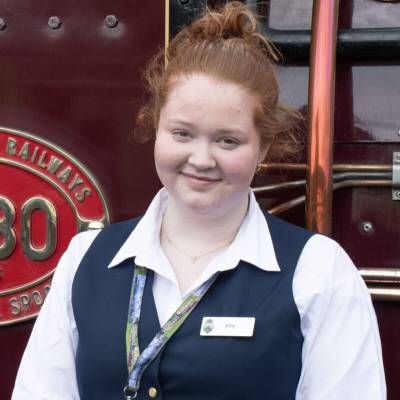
(341, 356)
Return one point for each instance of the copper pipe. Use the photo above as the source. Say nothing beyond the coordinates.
(321, 106)
(280, 208)
(335, 167)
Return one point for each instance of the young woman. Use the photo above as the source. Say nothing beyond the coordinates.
(206, 296)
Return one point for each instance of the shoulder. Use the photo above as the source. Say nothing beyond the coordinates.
(286, 236)
(109, 239)
(285, 227)
(122, 227)
(325, 258)
(124, 224)
(288, 240)
(83, 241)
(326, 277)
(319, 253)
(72, 257)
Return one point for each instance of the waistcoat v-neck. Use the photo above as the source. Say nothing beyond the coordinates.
(191, 367)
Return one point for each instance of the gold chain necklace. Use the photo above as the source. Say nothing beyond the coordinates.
(195, 258)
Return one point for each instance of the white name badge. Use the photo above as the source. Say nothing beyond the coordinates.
(227, 326)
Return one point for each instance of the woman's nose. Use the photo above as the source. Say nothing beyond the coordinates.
(201, 157)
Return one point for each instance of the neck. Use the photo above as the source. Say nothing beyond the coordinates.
(196, 230)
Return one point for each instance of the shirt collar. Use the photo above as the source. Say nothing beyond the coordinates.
(252, 244)
(144, 241)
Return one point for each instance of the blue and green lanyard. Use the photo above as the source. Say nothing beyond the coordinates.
(138, 361)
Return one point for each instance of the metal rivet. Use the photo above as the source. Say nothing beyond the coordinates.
(111, 21)
(398, 156)
(397, 194)
(54, 22)
(3, 24)
(398, 132)
(367, 227)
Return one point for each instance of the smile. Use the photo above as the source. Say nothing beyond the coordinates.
(198, 178)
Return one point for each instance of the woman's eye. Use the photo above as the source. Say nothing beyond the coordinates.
(181, 135)
(228, 142)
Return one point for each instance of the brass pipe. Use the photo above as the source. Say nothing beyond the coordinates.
(321, 107)
(339, 177)
(282, 166)
(381, 275)
(362, 183)
(362, 168)
(335, 167)
(166, 30)
(384, 294)
(279, 186)
(287, 205)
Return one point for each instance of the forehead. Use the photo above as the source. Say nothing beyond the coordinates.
(201, 97)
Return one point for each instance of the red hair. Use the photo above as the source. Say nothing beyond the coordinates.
(224, 44)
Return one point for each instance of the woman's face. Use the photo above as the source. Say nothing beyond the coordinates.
(207, 147)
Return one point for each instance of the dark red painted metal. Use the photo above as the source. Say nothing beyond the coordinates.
(79, 87)
(366, 132)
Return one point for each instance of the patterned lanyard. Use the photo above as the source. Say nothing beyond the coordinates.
(138, 362)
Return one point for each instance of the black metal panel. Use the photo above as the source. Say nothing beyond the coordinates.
(182, 12)
(357, 45)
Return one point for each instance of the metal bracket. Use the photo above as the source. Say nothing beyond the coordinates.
(396, 176)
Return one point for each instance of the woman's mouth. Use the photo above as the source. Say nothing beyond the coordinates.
(200, 178)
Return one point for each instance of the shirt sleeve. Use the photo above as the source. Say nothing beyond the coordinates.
(342, 356)
(47, 369)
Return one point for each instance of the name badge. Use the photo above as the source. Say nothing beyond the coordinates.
(227, 326)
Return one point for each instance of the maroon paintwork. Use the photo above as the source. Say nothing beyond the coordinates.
(79, 86)
(366, 132)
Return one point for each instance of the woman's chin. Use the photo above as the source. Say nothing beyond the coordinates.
(199, 203)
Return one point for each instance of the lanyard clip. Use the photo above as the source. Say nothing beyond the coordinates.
(129, 393)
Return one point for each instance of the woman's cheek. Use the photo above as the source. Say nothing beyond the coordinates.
(168, 155)
(240, 168)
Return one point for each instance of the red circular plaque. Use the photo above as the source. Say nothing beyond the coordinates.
(46, 197)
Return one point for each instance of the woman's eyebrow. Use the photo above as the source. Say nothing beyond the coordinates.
(227, 131)
(181, 122)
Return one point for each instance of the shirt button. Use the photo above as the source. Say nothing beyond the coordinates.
(153, 392)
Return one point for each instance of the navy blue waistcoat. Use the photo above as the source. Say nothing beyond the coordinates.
(191, 367)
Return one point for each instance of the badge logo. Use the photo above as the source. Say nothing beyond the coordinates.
(208, 326)
(46, 197)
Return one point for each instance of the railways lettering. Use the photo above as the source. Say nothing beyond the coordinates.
(24, 303)
(47, 162)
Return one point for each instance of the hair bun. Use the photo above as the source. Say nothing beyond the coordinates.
(232, 21)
